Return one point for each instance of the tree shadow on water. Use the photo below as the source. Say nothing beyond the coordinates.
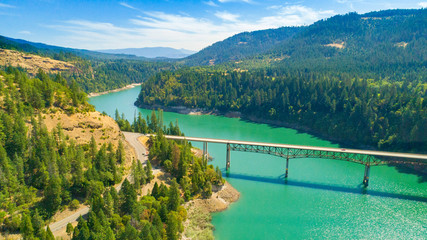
(360, 189)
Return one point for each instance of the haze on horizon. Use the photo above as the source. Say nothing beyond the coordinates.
(192, 25)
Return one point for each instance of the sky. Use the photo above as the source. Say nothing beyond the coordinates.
(192, 25)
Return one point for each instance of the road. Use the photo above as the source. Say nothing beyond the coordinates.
(326, 149)
(140, 151)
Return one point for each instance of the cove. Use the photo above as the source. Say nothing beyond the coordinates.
(322, 198)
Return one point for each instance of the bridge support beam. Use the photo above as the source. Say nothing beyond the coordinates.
(227, 163)
(366, 176)
(205, 150)
(287, 166)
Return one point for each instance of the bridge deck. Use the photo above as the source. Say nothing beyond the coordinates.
(327, 149)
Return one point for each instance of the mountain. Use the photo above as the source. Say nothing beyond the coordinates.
(242, 45)
(352, 41)
(151, 52)
(53, 51)
(364, 38)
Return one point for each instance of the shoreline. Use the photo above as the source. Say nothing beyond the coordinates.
(92, 94)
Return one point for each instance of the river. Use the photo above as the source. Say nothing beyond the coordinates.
(322, 198)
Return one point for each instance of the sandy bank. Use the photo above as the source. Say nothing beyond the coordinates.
(114, 90)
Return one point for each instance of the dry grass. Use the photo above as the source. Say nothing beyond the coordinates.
(33, 62)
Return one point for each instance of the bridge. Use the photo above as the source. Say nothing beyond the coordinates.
(287, 151)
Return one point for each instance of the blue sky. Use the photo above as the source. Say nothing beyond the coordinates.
(189, 24)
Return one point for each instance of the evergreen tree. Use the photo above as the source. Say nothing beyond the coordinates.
(173, 200)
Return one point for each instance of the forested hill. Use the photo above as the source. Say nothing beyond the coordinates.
(242, 45)
(354, 40)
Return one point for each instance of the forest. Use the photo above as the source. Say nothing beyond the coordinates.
(42, 172)
(384, 113)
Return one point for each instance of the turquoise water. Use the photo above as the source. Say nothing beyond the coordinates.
(322, 198)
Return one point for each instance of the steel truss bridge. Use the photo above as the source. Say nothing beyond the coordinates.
(287, 151)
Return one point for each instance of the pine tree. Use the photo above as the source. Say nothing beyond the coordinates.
(38, 225)
(26, 227)
(127, 197)
(69, 229)
(52, 199)
(49, 234)
(173, 200)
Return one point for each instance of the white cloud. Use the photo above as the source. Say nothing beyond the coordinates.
(225, 1)
(226, 16)
(423, 4)
(25, 32)
(153, 29)
(127, 5)
(211, 3)
(2, 5)
(295, 15)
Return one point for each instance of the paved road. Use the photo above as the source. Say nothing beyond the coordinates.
(140, 150)
(59, 225)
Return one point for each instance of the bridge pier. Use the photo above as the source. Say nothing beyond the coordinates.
(227, 164)
(366, 176)
(205, 150)
(287, 166)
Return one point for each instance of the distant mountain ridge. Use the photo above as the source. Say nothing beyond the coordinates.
(151, 52)
(366, 38)
(51, 51)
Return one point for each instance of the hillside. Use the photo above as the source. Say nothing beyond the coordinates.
(352, 41)
(32, 63)
(242, 45)
(55, 150)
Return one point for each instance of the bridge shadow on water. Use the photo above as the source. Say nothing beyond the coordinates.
(360, 189)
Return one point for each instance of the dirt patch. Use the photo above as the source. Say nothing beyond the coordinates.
(33, 62)
(339, 45)
(401, 44)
